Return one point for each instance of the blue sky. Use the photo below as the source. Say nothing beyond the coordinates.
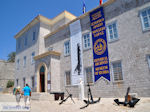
(16, 14)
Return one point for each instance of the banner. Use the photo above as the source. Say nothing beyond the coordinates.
(100, 50)
(76, 52)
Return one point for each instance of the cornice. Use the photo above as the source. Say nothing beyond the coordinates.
(37, 19)
(47, 54)
(51, 22)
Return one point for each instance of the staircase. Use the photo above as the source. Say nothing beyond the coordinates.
(42, 96)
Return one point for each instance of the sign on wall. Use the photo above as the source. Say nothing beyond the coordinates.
(48, 81)
(100, 50)
(76, 52)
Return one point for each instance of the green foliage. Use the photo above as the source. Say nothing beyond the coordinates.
(11, 57)
(10, 83)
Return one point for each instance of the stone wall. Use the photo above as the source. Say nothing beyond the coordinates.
(7, 72)
(28, 70)
(131, 49)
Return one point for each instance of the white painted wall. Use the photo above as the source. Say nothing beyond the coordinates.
(55, 75)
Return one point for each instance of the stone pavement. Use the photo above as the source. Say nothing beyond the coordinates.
(8, 104)
(105, 105)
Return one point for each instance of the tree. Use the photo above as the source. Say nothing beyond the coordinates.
(10, 83)
(11, 57)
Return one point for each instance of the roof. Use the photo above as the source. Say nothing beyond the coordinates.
(40, 18)
(82, 16)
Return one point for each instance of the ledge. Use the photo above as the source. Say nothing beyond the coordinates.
(47, 54)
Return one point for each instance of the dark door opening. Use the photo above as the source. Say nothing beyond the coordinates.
(42, 79)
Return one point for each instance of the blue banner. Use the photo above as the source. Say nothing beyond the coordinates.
(99, 40)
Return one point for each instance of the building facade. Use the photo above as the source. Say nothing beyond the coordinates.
(44, 51)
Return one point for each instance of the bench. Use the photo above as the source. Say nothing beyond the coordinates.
(58, 95)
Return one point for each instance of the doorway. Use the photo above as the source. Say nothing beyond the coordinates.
(42, 79)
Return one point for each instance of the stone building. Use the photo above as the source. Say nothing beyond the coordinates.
(7, 72)
(44, 51)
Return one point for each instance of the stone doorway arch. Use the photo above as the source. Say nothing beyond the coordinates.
(42, 78)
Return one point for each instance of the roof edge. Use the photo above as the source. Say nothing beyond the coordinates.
(33, 22)
(64, 14)
(80, 17)
(45, 20)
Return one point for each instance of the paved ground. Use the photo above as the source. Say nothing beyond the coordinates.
(105, 105)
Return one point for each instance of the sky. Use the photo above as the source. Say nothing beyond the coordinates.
(16, 14)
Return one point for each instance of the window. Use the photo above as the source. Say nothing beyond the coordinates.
(145, 18)
(32, 57)
(33, 36)
(17, 82)
(19, 43)
(24, 61)
(18, 63)
(67, 48)
(86, 41)
(24, 81)
(117, 71)
(25, 41)
(68, 78)
(112, 32)
(89, 75)
(148, 60)
(32, 78)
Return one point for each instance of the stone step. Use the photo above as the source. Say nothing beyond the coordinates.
(7, 97)
(42, 96)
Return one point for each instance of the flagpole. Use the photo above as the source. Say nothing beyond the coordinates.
(84, 7)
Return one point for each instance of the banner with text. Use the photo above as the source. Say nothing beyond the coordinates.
(100, 50)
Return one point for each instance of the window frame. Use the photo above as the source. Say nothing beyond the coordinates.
(86, 74)
(24, 61)
(33, 35)
(24, 81)
(66, 79)
(25, 41)
(33, 81)
(148, 60)
(113, 71)
(66, 54)
(108, 32)
(17, 82)
(19, 43)
(88, 47)
(18, 64)
(32, 58)
(142, 21)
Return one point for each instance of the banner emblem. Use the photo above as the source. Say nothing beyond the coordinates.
(100, 46)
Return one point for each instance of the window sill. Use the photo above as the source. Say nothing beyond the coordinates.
(91, 84)
(86, 49)
(119, 81)
(71, 85)
(66, 55)
(113, 40)
(146, 30)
